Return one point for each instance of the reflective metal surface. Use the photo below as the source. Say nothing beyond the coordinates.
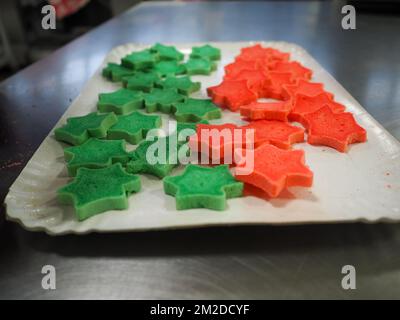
(237, 262)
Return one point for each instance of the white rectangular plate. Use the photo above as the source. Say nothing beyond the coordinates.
(362, 185)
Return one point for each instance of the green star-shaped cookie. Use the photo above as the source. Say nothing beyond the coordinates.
(162, 100)
(192, 110)
(157, 157)
(203, 187)
(140, 60)
(167, 52)
(168, 68)
(97, 190)
(122, 101)
(206, 52)
(143, 81)
(79, 129)
(183, 84)
(115, 72)
(133, 127)
(199, 66)
(95, 153)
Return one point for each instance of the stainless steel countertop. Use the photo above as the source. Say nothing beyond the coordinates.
(222, 262)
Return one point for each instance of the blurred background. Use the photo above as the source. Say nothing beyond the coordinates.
(24, 41)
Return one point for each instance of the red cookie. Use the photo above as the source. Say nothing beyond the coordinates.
(234, 68)
(276, 55)
(267, 57)
(231, 94)
(297, 70)
(266, 111)
(336, 130)
(304, 87)
(273, 169)
(274, 85)
(217, 142)
(252, 53)
(256, 79)
(278, 133)
(304, 104)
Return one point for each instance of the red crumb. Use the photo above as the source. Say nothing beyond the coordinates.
(11, 165)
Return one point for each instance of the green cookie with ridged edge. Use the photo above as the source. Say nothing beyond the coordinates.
(79, 129)
(95, 153)
(167, 52)
(94, 191)
(199, 66)
(122, 101)
(162, 100)
(140, 60)
(203, 187)
(169, 68)
(157, 157)
(192, 110)
(115, 72)
(133, 127)
(142, 81)
(206, 52)
(184, 85)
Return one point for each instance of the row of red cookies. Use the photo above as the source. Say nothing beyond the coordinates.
(259, 72)
(267, 73)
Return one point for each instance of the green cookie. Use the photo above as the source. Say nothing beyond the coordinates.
(115, 72)
(192, 110)
(157, 157)
(183, 84)
(168, 68)
(203, 187)
(139, 60)
(97, 190)
(79, 129)
(122, 101)
(141, 81)
(162, 100)
(95, 153)
(199, 66)
(206, 52)
(167, 52)
(133, 127)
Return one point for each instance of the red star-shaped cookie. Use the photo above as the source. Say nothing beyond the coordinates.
(231, 94)
(272, 169)
(304, 87)
(274, 85)
(276, 55)
(304, 104)
(252, 53)
(266, 111)
(278, 133)
(217, 142)
(336, 130)
(256, 79)
(295, 68)
(234, 68)
(267, 57)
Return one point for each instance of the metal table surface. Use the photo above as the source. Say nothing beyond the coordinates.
(230, 262)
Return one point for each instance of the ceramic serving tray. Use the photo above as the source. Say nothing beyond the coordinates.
(361, 185)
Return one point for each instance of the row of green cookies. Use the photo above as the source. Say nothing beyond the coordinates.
(159, 91)
(164, 60)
